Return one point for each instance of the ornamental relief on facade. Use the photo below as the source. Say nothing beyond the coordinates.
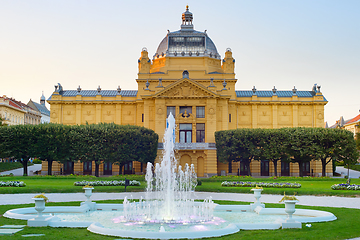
(185, 90)
(160, 111)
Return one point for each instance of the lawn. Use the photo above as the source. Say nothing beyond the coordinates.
(6, 166)
(65, 184)
(344, 228)
(309, 186)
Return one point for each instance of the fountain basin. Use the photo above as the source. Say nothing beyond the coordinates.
(228, 219)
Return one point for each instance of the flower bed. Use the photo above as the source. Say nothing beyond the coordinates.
(345, 186)
(12, 184)
(260, 184)
(107, 183)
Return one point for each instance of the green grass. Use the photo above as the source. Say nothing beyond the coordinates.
(344, 228)
(65, 184)
(309, 186)
(6, 166)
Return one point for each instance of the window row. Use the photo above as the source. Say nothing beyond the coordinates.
(185, 110)
(186, 132)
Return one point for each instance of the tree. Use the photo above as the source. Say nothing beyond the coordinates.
(18, 141)
(2, 123)
(273, 147)
(113, 143)
(52, 143)
(300, 146)
(238, 145)
(129, 143)
(225, 148)
(327, 142)
(347, 151)
(358, 141)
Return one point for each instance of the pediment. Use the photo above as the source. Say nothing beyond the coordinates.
(185, 88)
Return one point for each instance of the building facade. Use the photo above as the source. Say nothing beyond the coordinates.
(41, 108)
(10, 112)
(187, 77)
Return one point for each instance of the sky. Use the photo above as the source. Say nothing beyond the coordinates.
(281, 43)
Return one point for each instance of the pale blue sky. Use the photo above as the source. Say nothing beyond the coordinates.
(90, 43)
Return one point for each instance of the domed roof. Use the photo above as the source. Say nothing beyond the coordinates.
(187, 42)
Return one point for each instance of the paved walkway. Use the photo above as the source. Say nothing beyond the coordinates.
(344, 172)
(20, 171)
(7, 199)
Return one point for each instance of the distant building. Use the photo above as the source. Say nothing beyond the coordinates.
(352, 124)
(11, 112)
(15, 112)
(41, 108)
(188, 78)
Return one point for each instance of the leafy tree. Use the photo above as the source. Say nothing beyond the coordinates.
(273, 146)
(327, 143)
(129, 143)
(300, 146)
(2, 122)
(225, 150)
(347, 151)
(116, 144)
(238, 145)
(18, 141)
(90, 145)
(52, 143)
(358, 141)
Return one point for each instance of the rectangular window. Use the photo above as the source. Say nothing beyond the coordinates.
(200, 132)
(185, 132)
(142, 117)
(229, 117)
(200, 112)
(170, 110)
(185, 110)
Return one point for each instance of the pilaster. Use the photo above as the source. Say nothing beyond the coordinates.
(78, 114)
(254, 116)
(98, 113)
(295, 112)
(118, 109)
(275, 116)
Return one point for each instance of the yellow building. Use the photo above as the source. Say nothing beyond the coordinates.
(10, 112)
(188, 78)
(351, 124)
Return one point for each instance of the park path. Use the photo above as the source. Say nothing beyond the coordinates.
(343, 171)
(325, 201)
(20, 171)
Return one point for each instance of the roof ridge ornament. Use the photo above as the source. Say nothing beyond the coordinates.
(187, 18)
(274, 90)
(294, 91)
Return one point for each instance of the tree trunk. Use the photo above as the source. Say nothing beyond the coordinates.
(96, 169)
(120, 169)
(275, 167)
(248, 168)
(300, 169)
(230, 169)
(323, 163)
(49, 167)
(24, 163)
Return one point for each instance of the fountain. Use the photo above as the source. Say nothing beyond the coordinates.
(172, 186)
(168, 209)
